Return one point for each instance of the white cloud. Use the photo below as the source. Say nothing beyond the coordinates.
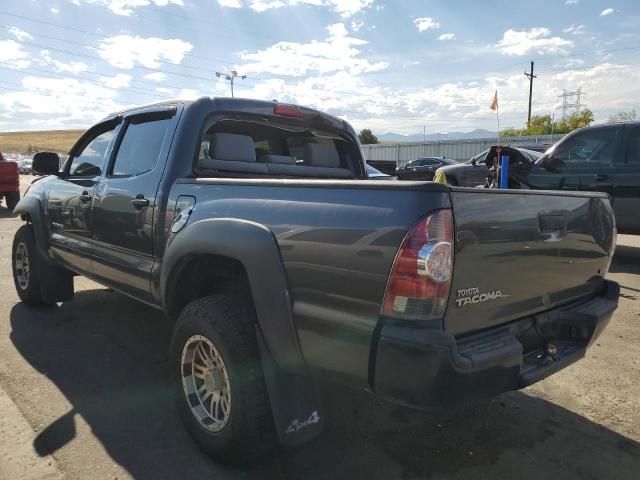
(606, 11)
(125, 51)
(447, 36)
(155, 76)
(12, 54)
(127, 7)
(571, 2)
(71, 67)
(574, 29)
(19, 34)
(58, 103)
(55, 10)
(536, 40)
(425, 23)
(346, 8)
(356, 26)
(338, 52)
(120, 80)
(230, 3)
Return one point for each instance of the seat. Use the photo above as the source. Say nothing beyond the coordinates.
(319, 155)
(230, 152)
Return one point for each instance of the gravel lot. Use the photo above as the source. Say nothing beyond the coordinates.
(89, 379)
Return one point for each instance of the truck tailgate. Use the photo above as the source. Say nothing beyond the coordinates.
(520, 252)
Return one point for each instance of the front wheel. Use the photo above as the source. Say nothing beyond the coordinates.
(25, 268)
(218, 380)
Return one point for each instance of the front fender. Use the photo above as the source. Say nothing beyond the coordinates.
(254, 246)
(33, 207)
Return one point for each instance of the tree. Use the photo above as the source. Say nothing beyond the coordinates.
(366, 137)
(623, 116)
(540, 125)
(573, 121)
(543, 125)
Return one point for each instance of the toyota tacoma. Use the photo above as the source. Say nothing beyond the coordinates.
(255, 228)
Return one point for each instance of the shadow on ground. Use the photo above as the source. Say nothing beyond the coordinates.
(6, 213)
(626, 260)
(108, 355)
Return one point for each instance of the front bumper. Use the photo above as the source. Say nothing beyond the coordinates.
(427, 368)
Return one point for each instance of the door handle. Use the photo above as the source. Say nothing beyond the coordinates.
(601, 177)
(140, 201)
(85, 197)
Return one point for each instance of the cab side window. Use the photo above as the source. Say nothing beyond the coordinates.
(91, 159)
(140, 148)
(632, 146)
(594, 147)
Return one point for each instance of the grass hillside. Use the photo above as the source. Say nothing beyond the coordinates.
(29, 142)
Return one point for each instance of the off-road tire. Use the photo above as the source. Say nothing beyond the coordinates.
(12, 199)
(30, 293)
(229, 324)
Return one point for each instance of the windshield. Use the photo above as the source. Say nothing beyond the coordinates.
(479, 158)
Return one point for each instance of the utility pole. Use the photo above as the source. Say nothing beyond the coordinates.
(530, 76)
(230, 78)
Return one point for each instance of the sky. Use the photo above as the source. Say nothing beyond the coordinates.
(391, 66)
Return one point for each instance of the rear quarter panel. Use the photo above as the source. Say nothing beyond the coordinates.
(338, 241)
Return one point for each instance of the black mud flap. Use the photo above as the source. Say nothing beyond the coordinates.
(295, 401)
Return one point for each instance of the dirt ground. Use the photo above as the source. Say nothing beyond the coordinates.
(90, 379)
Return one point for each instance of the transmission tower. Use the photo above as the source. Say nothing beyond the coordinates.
(572, 101)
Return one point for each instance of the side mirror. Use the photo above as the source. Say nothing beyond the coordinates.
(473, 162)
(46, 163)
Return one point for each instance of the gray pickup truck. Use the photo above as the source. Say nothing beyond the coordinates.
(255, 228)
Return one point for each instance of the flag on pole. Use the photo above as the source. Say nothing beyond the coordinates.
(494, 102)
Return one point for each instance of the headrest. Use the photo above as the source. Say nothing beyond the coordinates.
(229, 146)
(318, 155)
(277, 159)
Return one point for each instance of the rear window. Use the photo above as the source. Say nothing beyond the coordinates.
(246, 148)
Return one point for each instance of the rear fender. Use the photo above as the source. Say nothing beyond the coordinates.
(292, 392)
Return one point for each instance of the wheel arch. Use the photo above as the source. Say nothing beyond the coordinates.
(218, 255)
(32, 211)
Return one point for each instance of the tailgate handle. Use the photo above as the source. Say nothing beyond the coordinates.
(601, 177)
(553, 225)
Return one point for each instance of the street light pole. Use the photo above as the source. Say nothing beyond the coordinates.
(230, 77)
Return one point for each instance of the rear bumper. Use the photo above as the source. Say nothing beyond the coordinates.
(426, 368)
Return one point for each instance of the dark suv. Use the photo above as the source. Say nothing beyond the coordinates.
(604, 158)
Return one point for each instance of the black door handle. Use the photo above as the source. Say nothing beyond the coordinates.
(140, 201)
(85, 197)
(600, 177)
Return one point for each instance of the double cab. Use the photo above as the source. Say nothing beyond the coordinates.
(255, 227)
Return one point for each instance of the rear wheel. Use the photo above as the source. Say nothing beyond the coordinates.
(12, 199)
(218, 381)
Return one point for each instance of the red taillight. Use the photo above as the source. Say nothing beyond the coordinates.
(418, 286)
(287, 110)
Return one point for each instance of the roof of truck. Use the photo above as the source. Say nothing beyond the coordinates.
(226, 103)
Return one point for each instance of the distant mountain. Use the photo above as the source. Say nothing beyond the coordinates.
(418, 137)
